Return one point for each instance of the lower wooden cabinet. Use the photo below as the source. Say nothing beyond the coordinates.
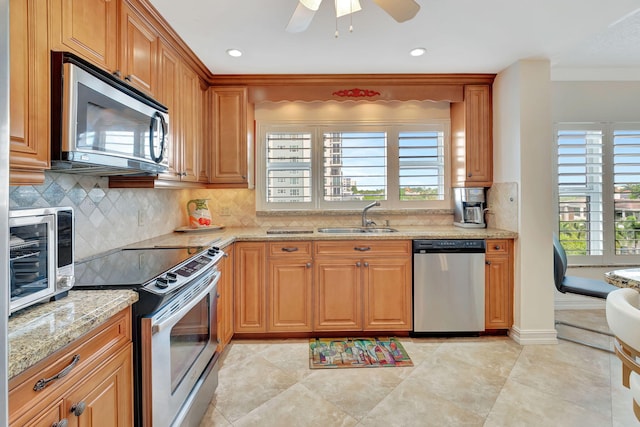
(387, 294)
(96, 391)
(249, 287)
(225, 301)
(499, 284)
(338, 305)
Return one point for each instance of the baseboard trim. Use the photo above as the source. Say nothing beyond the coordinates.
(574, 304)
(532, 337)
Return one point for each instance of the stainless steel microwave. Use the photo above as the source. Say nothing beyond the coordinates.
(101, 125)
(41, 255)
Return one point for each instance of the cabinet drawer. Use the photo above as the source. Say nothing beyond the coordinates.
(498, 246)
(92, 349)
(362, 247)
(289, 249)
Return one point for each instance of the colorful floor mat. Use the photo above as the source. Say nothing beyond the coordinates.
(357, 353)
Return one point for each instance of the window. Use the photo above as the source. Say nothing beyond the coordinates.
(599, 191)
(340, 166)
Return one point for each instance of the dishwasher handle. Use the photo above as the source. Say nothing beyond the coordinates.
(439, 246)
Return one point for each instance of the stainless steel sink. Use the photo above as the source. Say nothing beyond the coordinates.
(337, 230)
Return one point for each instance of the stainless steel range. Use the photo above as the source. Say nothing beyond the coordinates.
(174, 331)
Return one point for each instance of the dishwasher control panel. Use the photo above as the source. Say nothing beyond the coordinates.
(449, 245)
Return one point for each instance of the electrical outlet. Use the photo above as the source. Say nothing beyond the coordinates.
(225, 211)
(140, 218)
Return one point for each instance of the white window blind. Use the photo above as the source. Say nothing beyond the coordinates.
(421, 160)
(288, 167)
(626, 188)
(355, 166)
(580, 200)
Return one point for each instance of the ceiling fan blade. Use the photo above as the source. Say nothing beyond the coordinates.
(400, 10)
(302, 16)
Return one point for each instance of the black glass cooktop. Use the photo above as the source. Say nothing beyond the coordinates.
(129, 268)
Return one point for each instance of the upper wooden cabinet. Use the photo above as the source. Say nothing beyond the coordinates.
(139, 48)
(471, 136)
(231, 128)
(88, 28)
(29, 92)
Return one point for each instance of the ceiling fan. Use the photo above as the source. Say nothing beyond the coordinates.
(400, 10)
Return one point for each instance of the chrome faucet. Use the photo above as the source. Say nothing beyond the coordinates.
(367, 222)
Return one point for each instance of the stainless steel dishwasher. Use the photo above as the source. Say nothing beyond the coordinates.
(448, 286)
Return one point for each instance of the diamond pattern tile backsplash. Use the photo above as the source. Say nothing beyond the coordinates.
(106, 218)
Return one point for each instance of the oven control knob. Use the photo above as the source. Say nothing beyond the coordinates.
(172, 277)
(162, 283)
(213, 251)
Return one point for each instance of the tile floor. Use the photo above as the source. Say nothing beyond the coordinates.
(489, 381)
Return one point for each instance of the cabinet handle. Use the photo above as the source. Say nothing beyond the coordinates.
(289, 249)
(308, 265)
(78, 408)
(488, 262)
(362, 248)
(43, 382)
(117, 73)
(496, 247)
(366, 264)
(358, 264)
(217, 295)
(128, 77)
(62, 423)
(469, 175)
(244, 177)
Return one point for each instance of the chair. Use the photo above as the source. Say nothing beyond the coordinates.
(580, 286)
(623, 317)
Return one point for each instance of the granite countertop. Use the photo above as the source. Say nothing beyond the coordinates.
(626, 278)
(39, 331)
(226, 236)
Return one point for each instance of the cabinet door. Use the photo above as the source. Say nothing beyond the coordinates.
(191, 126)
(387, 294)
(498, 285)
(290, 295)
(87, 28)
(338, 304)
(139, 46)
(471, 125)
(29, 92)
(229, 163)
(42, 417)
(169, 73)
(105, 396)
(249, 287)
(225, 302)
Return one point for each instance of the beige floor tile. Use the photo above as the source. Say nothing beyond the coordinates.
(519, 405)
(213, 418)
(297, 406)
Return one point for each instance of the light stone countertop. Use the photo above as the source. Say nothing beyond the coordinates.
(39, 331)
(226, 236)
(625, 278)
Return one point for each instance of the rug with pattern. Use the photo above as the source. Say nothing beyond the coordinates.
(357, 353)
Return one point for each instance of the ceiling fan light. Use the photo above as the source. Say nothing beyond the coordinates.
(345, 7)
(311, 4)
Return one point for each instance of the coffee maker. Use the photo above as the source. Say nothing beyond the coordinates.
(469, 208)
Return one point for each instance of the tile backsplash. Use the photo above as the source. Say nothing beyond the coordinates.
(106, 218)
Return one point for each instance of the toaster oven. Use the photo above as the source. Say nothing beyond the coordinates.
(41, 254)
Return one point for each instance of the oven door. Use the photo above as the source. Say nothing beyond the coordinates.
(178, 342)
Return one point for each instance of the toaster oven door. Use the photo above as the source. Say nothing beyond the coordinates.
(32, 260)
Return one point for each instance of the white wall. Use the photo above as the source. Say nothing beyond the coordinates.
(522, 154)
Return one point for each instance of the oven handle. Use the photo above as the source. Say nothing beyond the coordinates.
(177, 315)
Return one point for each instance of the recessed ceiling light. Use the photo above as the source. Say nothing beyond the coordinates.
(234, 52)
(419, 51)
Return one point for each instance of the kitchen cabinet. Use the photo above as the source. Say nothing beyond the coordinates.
(30, 70)
(499, 284)
(88, 28)
(139, 46)
(471, 130)
(249, 287)
(231, 130)
(362, 285)
(191, 142)
(225, 302)
(97, 389)
(290, 288)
